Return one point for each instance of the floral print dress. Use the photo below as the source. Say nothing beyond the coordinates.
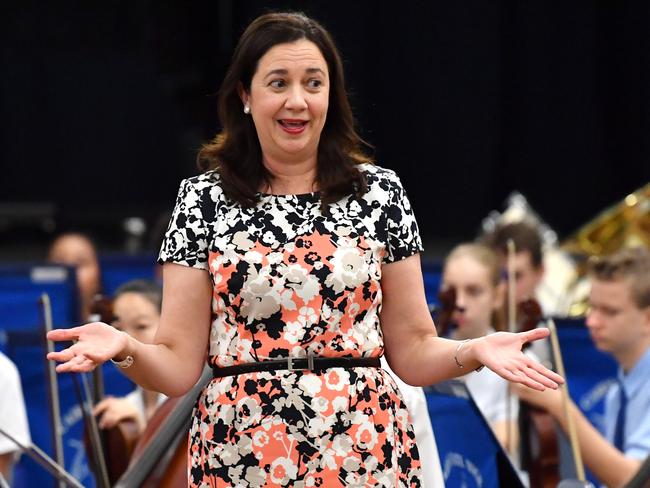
(288, 281)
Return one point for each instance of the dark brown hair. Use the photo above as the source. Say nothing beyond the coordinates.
(148, 289)
(631, 264)
(525, 236)
(236, 151)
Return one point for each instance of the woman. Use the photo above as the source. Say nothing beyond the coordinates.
(136, 306)
(290, 246)
(473, 271)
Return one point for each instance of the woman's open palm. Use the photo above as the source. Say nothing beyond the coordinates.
(93, 344)
(501, 352)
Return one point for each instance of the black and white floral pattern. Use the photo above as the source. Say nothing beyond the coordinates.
(287, 281)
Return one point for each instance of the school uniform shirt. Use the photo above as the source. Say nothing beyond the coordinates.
(636, 383)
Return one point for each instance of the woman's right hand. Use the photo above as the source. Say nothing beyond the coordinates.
(93, 344)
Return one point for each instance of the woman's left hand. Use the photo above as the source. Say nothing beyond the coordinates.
(501, 352)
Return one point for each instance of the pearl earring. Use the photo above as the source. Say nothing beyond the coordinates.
(247, 109)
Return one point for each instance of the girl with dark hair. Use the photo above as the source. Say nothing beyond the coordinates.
(136, 310)
(291, 265)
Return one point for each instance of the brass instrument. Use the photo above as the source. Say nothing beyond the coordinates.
(626, 224)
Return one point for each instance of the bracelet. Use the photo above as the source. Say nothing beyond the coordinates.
(457, 353)
(124, 363)
(127, 362)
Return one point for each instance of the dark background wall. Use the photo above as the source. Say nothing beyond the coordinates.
(103, 105)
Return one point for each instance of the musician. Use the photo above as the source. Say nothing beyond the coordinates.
(619, 323)
(136, 307)
(13, 417)
(529, 271)
(78, 250)
(473, 271)
(528, 260)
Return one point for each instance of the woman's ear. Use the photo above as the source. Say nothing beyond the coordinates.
(243, 94)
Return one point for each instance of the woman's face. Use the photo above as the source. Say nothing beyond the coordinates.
(476, 297)
(136, 316)
(288, 99)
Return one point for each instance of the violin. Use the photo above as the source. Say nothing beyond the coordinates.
(443, 313)
(538, 436)
(528, 313)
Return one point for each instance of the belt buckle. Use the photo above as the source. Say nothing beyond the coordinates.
(310, 363)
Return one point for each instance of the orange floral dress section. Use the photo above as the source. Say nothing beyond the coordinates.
(289, 280)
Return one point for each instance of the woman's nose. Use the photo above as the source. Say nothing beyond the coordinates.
(296, 99)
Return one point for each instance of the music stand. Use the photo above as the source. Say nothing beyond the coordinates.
(470, 454)
(35, 453)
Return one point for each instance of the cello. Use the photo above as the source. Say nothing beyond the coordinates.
(160, 457)
(117, 442)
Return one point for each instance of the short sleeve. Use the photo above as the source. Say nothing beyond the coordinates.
(403, 234)
(185, 241)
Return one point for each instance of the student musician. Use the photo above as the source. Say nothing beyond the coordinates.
(473, 271)
(136, 308)
(619, 323)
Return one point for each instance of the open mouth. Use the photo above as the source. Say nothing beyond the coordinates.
(292, 125)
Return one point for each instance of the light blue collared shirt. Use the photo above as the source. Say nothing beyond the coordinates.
(636, 383)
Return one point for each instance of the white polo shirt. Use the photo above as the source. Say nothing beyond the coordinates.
(13, 417)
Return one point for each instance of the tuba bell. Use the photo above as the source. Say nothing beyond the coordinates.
(625, 224)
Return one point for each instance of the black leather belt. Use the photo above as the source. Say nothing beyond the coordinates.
(310, 363)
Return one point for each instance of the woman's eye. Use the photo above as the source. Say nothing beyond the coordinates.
(277, 83)
(314, 83)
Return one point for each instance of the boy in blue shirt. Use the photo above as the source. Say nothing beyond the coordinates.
(619, 323)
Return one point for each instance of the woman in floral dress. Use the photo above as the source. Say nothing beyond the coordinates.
(291, 265)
